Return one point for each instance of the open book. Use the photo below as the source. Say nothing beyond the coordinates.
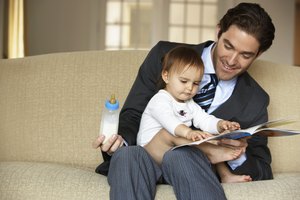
(265, 129)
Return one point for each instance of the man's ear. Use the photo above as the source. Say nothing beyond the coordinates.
(164, 75)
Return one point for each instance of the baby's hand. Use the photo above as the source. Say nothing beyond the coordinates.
(234, 126)
(195, 135)
(224, 125)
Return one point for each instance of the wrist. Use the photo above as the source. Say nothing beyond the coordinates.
(182, 131)
(188, 133)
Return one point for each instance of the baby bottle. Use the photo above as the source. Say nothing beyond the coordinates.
(110, 118)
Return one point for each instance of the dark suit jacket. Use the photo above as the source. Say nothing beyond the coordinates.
(247, 105)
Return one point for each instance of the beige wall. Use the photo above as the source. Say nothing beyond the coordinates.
(60, 25)
(71, 25)
(283, 15)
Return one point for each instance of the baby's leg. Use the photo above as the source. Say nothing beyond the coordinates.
(217, 154)
(228, 177)
(162, 142)
(159, 145)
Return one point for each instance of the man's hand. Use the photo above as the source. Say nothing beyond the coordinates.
(114, 142)
(241, 143)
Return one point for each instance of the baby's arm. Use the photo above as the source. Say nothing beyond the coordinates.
(190, 134)
(224, 125)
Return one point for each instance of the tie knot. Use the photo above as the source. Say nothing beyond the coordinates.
(214, 79)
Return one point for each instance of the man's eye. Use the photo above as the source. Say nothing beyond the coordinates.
(246, 56)
(227, 46)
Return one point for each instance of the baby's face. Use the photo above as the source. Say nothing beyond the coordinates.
(184, 85)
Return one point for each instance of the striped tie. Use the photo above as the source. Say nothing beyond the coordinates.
(206, 95)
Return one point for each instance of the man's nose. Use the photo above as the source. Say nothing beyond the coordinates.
(232, 59)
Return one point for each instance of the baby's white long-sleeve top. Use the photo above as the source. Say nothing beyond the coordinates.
(163, 111)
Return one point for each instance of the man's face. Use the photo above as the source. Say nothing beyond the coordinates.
(234, 52)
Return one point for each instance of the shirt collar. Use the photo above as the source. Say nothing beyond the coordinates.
(207, 60)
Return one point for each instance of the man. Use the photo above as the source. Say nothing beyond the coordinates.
(244, 33)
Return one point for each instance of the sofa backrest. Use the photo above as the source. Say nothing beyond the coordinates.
(50, 105)
(282, 82)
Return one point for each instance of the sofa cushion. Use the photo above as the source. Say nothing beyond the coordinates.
(37, 181)
(26, 180)
(50, 105)
(283, 186)
(282, 84)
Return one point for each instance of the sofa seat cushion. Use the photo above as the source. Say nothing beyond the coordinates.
(283, 186)
(38, 181)
(29, 180)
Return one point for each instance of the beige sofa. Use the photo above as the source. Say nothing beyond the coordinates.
(50, 109)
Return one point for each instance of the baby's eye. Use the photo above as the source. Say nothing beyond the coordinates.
(183, 81)
(196, 83)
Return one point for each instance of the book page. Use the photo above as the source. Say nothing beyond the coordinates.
(274, 132)
(264, 129)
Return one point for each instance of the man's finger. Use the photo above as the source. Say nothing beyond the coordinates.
(117, 144)
(98, 141)
(108, 144)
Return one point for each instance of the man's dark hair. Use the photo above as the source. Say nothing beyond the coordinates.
(253, 19)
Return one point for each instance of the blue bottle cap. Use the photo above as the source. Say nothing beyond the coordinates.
(112, 106)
